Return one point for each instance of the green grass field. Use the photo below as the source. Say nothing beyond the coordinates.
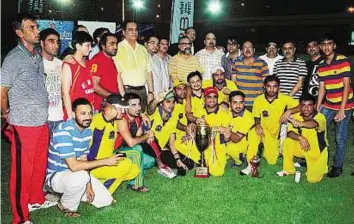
(228, 199)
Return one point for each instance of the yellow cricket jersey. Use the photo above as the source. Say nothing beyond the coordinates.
(222, 97)
(218, 118)
(242, 124)
(180, 112)
(197, 103)
(317, 137)
(270, 112)
(104, 137)
(162, 130)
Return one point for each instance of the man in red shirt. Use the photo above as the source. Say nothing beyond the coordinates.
(104, 72)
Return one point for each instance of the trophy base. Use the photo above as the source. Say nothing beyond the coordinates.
(201, 172)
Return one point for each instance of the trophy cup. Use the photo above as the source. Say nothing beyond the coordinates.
(254, 166)
(202, 141)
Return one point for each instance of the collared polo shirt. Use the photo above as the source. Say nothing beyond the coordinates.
(133, 64)
(332, 75)
(222, 97)
(249, 78)
(23, 73)
(181, 67)
(289, 74)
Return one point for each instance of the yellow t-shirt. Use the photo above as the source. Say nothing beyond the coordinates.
(104, 137)
(197, 103)
(181, 67)
(132, 63)
(222, 97)
(270, 112)
(180, 113)
(317, 137)
(242, 124)
(163, 131)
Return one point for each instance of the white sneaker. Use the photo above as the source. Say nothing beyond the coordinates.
(297, 165)
(246, 171)
(282, 173)
(46, 204)
(27, 222)
(166, 172)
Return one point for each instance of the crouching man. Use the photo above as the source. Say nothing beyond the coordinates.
(307, 138)
(68, 168)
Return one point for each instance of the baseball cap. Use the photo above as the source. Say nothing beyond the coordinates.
(210, 90)
(178, 82)
(169, 95)
(216, 68)
(117, 99)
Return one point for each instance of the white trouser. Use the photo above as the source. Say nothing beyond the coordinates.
(73, 187)
(283, 134)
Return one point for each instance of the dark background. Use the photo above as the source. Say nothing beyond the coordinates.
(258, 20)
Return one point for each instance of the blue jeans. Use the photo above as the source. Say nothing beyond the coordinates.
(341, 134)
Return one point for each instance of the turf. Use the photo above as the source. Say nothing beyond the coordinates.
(228, 199)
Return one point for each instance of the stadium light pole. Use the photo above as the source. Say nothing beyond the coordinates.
(214, 8)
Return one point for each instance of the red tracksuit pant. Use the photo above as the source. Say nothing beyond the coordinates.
(29, 155)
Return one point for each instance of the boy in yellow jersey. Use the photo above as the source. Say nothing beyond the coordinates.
(104, 127)
(268, 111)
(164, 125)
(224, 87)
(307, 138)
(241, 121)
(217, 118)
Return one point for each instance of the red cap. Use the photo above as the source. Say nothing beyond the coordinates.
(210, 90)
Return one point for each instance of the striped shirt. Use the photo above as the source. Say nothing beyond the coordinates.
(180, 67)
(249, 78)
(67, 142)
(332, 75)
(289, 74)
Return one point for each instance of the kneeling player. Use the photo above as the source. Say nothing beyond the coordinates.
(306, 139)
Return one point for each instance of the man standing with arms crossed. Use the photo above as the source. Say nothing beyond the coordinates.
(335, 97)
(134, 66)
(23, 87)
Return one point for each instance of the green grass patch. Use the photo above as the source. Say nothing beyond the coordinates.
(228, 199)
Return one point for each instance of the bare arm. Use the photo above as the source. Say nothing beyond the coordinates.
(66, 85)
(98, 88)
(298, 86)
(120, 84)
(236, 137)
(77, 165)
(321, 95)
(4, 102)
(150, 84)
(188, 99)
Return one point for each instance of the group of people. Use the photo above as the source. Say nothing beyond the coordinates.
(103, 115)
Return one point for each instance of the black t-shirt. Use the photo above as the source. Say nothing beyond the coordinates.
(311, 84)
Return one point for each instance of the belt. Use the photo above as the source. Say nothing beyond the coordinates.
(134, 87)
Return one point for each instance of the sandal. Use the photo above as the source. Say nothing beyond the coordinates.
(67, 212)
(138, 189)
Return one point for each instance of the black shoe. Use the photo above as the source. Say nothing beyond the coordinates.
(352, 174)
(335, 172)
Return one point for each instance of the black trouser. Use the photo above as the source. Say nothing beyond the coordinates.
(141, 91)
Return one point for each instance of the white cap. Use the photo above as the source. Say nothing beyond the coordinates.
(216, 68)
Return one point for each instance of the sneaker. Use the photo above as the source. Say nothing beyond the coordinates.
(36, 206)
(27, 222)
(246, 171)
(296, 164)
(53, 197)
(166, 172)
(282, 173)
(335, 172)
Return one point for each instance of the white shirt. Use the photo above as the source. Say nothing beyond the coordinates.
(94, 51)
(160, 74)
(270, 61)
(52, 70)
(209, 61)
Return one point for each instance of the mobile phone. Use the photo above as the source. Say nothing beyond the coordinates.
(121, 154)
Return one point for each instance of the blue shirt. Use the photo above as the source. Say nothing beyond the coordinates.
(67, 142)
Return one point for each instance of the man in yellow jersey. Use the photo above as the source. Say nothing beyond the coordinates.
(217, 118)
(164, 125)
(195, 97)
(268, 109)
(104, 128)
(223, 86)
(307, 138)
(241, 122)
